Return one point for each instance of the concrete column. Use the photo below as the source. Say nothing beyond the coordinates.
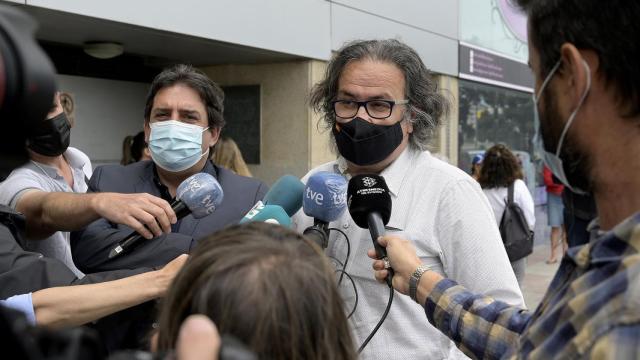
(290, 140)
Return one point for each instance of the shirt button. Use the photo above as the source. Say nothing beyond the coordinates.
(345, 225)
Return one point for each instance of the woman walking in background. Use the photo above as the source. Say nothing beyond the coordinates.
(500, 170)
(555, 210)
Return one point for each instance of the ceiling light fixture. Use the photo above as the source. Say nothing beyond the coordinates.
(103, 49)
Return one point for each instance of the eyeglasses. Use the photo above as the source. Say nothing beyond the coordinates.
(377, 109)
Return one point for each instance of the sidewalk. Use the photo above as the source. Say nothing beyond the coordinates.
(539, 274)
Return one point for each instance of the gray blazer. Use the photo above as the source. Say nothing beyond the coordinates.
(91, 246)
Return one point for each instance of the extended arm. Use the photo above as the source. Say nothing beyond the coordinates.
(75, 305)
(480, 326)
(48, 212)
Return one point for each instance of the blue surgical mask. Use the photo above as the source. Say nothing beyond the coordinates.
(176, 146)
(553, 160)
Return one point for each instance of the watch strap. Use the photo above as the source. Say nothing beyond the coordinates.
(415, 279)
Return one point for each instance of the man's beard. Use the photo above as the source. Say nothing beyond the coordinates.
(576, 163)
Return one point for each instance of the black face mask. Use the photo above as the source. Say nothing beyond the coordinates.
(51, 137)
(364, 143)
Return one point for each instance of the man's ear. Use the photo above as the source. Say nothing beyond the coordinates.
(575, 66)
(147, 131)
(215, 135)
(407, 124)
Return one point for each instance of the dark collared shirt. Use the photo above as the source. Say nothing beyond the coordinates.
(591, 309)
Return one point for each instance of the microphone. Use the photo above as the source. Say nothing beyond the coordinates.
(286, 192)
(325, 199)
(369, 204)
(199, 195)
(272, 214)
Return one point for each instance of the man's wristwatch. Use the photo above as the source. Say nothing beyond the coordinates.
(415, 279)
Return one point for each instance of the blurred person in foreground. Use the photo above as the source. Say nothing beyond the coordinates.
(587, 92)
(501, 170)
(277, 294)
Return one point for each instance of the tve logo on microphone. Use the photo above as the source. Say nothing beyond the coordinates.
(324, 186)
(315, 196)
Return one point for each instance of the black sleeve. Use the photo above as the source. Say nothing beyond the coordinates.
(90, 248)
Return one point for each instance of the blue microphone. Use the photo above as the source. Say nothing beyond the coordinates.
(272, 214)
(199, 195)
(287, 193)
(325, 199)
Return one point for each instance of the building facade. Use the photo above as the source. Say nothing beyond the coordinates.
(267, 55)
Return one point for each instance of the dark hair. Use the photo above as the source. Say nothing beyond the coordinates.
(426, 106)
(267, 286)
(211, 94)
(500, 168)
(132, 148)
(610, 28)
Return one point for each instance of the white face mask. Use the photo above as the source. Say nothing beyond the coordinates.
(553, 161)
(176, 146)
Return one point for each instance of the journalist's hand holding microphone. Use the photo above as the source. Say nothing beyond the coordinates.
(404, 261)
(148, 215)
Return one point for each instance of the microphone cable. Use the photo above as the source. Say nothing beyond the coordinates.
(384, 317)
(355, 291)
(343, 272)
(344, 265)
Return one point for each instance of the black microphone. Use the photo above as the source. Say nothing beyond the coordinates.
(199, 195)
(369, 204)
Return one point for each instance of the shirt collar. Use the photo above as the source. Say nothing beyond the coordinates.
(76, 162)
(622, 240)
(393, 174)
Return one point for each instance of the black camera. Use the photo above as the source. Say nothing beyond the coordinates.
(27, 85)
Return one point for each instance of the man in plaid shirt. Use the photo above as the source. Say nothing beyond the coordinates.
(586, 61)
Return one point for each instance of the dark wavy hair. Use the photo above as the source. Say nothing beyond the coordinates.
(500, 168)
(267, 286)
(426, 106)
(211, 94)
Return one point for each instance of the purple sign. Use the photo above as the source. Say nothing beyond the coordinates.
(489, 67)
(515, 19)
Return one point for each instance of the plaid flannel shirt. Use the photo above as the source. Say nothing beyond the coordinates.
(591, 308)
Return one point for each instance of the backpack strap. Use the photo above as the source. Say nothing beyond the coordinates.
(510, 193)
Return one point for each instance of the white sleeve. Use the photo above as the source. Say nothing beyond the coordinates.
(22, 303)
(472, 250)
(16, 185)
(522, 197)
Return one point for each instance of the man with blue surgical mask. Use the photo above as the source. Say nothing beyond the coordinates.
(182, 121)
(585, 62)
